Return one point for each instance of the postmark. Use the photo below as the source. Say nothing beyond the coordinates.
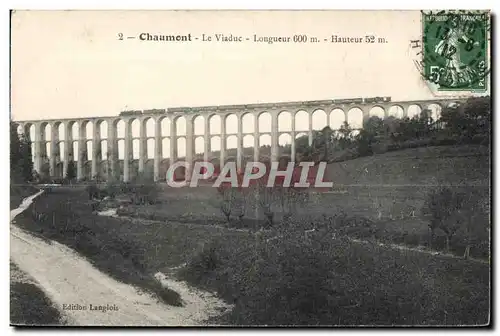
(455, 50)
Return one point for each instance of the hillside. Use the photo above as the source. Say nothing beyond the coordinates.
(426, 166)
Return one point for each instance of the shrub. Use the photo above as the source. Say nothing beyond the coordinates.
(233, 201)
(291, 280)
(458, 211)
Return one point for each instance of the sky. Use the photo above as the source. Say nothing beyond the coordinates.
(71, 64)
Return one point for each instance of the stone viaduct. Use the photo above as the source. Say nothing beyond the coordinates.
(331, 112)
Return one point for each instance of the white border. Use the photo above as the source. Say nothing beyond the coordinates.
(186, 4)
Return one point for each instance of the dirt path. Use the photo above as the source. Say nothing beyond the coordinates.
(67, 278)
(419, 249)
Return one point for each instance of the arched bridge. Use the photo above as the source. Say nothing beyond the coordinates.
(163, 132)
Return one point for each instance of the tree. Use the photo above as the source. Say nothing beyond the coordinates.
(26, 158)
(328, 138)
(469, 119)
(45, 171)
(365, 141)
(302, 147)
(20, 155)
(345, 138)
(71, 171)
(457, 210)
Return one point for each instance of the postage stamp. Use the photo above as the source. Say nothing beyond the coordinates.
(455, 50)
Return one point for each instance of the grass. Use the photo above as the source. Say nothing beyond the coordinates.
(291, 279)
(285, 281)
(294, 281)
(18, 193)
(106, 242)
(388, 190)
(29, 305)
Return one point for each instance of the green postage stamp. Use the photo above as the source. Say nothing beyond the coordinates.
(455, 50)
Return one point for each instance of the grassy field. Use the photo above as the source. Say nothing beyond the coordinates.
(281, 276)
(387, 190)
(336, 282)
(288, 280)
(18, 193)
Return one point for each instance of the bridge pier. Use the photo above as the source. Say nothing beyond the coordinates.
(81, 157)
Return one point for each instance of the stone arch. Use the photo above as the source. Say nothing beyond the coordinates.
(355, 118)
(61, 145)
(215, 143)
(164, 126)
(103, 129)
(150, 126)
(198, 125)
(88, 150)
(284, 121)
(231, 142)
(284, 139)
(248, 141)
(121, 149)
(104, 149)
(135, 149)
(120, 128)
(135, 127)
(75, 130)
(414, 110)
(165, 147)
(181, 147)
(30, 131)
(20, 129)
(285, 143)
(89, 129)
(319, 119)
(199, 145)
(337, 118)
(301, 120)
(435, 111)
(180, 126)
(396, 111)
(377, 111)
(453, 104)
(265, 122)
(248, 123)
(46, 131)
(61, 131)
(150, 148)
(231, 123)
(264, 140)
(300, 134)
(75, 145)
(215, 123)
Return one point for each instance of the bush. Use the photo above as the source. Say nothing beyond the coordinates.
(144, 190)
(232, 202)
(293, 280)
(289, 277)
(460, 213)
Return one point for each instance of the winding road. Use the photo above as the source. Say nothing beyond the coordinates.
(69, 279)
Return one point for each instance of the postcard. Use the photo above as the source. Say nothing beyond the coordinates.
(180, 168)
